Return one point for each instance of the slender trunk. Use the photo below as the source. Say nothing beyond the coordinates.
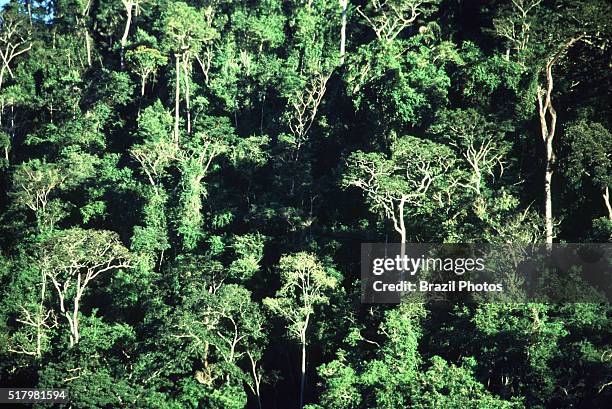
(258, 398)
(477, 175)
(303, 374)
(261, 118)
(75, 322)
(40, 322)
(68, 316)
(186, 78)
(606, 197)
(75, 310)
(402, 226)
(176, 99)
(88, 46)
(84, 16)
(548, 191)
(29, 6)
(256, 379)
(126, 31)
(547, 130)
(142, 86)
(344, 6)
(76, 325)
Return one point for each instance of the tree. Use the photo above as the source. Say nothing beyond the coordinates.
(590, 147)
(72, 259)
(408, 76)
(157, 151)
(304, 107)
(547, 130)
(544, 38)
(129, 6)
(37, 181)
(390, 17)
(343, 16)
(34, 182)
(35, 319)
(305, 284)
(185, 31)
(12, 98)
(514, 27)
(480, 143)
(394, 374)
(145, 61)
(221, 329)
(77, 13)
(531, 340)
(14, 40)
(155, 155)
(195, 160)
(416, 178)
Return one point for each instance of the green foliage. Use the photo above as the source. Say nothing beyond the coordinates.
(590, 145)
(185, 28)
(249, 249)
(408, 83)
(397, 376)
(195, 160)
(178, 224)
(305, 284)
(450, 386)
(419, 177)
(145, 62)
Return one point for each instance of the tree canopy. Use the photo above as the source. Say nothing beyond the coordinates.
(184, 187)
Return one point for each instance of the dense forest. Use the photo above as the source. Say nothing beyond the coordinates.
(185, 186)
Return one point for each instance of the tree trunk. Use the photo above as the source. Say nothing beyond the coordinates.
(303, 374)
(606, 197)
(142, 86)
(2, 75)
(547, 131)
(88, 46)
(176, 99)
(75, 310)
(548, 191)
(75, 322)
(12, 122)
(256, 379)
(402, 225)
(186, 78)
(126, 31)
(29, 7)
(344, 6)
(68, 316)
(40, 319)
